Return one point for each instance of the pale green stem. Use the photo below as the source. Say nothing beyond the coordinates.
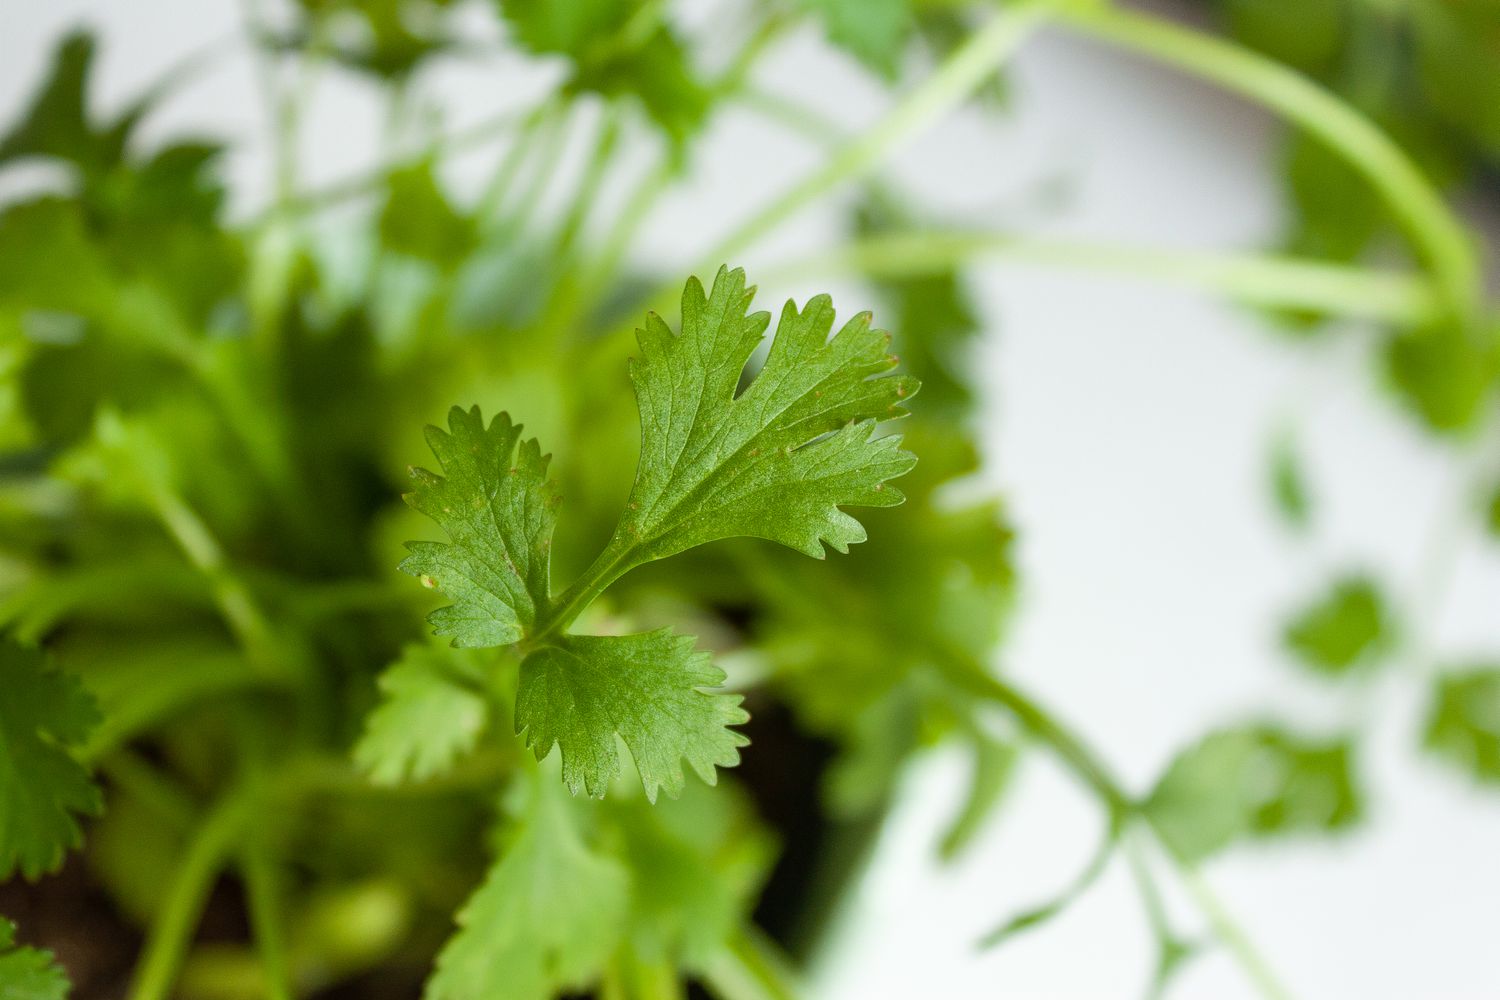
(1073, 752)
(172, 930)
(1438, 236)
(262, 888)
(749, 968)
(1256, 279)
(958, 77)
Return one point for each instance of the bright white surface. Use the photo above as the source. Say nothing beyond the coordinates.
(1128, 428)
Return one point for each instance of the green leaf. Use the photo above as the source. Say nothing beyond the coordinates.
(498, 509)
(28, 973)
(697, 864)
(1289, 484)
(418, 219)
(1492, 513)
(776, 460)
(873, 31)
(1344, 627)
(1308, 34)
(1253, 782)
(1458, 66)
(432, 711)
(1443, 375)
(583, 692)
(57, 122)
(618, 47)
(1463, 723)
(546, 918)
(42, 788)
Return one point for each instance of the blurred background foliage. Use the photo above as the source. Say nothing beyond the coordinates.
(214, 672)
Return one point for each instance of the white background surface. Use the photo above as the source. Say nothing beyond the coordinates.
(1128, 425)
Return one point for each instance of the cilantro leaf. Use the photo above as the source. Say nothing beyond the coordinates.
(546, 918)
(618, 47)
(873, 31)
(28, 973)
(1463, 724)
(1343, 628)
(1253, 782)
(432, 711)
(419, 221)
(777, 460)
(42, 788)
(583, 691)
(499, 512)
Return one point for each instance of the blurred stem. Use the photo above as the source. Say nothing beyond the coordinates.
(503, 179)
(1436, 233)
(372, 180)
(172, 931)
(262, 888)
(749, 967)
(605, 140)
(955, 79)
(1256, 279)
(971, 676)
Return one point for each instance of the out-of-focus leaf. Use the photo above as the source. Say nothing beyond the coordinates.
(43, 789)
(547, 917)
(1308, 34)
(432, 711)
(419, 221)
(1253, 782)
(57, 123)
(873, 31)
(1463, 722)
(696, 864)
(1458, 65)
(933, 322)
(28, 973)
(1492, 513)
(616, 48)
(1345, 626)
(386, 38)
(1289, 484)
(1444, 375)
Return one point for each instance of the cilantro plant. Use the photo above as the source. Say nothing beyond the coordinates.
(235, 762)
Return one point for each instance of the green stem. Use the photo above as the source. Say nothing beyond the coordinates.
(1072, 751)
(958, 77)
(1437, 235)
(1257, 279)
(749, 968)
(262, 887)
(172, 930)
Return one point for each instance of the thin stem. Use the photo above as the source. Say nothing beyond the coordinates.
(1231, 934)
(749, 968)
(262, 887)
(1072, 751)
(172, 930)
(371, 180)
(1438, 236)
(958, 77)
(1258, 279)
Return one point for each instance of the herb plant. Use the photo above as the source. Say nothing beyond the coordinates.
(220, 707)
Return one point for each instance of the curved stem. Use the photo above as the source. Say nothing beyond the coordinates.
(172, 931)
(749, 968)
(1437, 235)
(1256, 279)
(958, 77)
